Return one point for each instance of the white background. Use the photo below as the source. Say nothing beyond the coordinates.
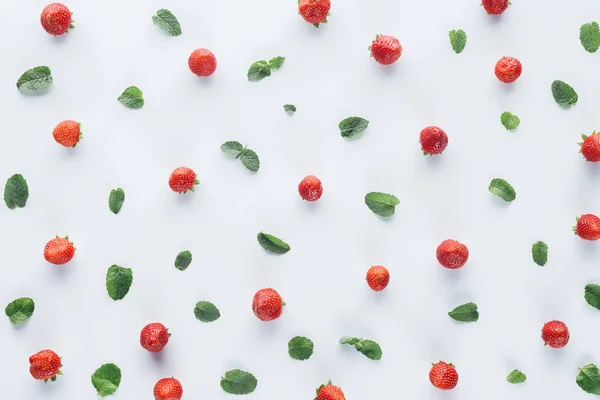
(329, 76)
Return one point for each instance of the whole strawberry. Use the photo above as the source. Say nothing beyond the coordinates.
(452, 254)
(168, 389)
(508, 69)
(555, 334)
(385, 49)
(267, 304)
(59, 251)
(67, 133)
(154, 337)
(590, 147)
(202, 62)
(443, 376)
(45, 365)
(495, 7)
(329, 392)
(433, 140)
(310, 188)
(183, 179)
(588, 227)
(378, 278)
(314, 11)
(56, 19)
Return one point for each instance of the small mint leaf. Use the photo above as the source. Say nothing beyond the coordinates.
(205, 311)
(382, 204)
(276, 62)
(37, 78)
(352, 126)
(16, 192)
(232, 148)
(132, 97)
(238, 382)
(258, 71)
(183, 260)
(510, 121)
(592, 295)
(502, 189)
(118, 281)
(272, 244)
(290, 108)
(300, 348)
(539, 252)
(465, 313)
(369, 348)
(166, 21)
(516, 376)
(116, 200)
(250, 160)
(106, 379)
(564, 94)
(589, 379)
(589, 35)
(458, 39)
(19, 310)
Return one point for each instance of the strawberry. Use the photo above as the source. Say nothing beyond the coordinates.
(588, 227)
(378, 278)
(385, 49)
(59, 250)
(267, 304)
(508, 69)
(310, 188)
(590, 147)
(45, 365)
(495, 7)
(329, 392)
(56, 19)
(443, 376)
(433, 140)
(202, 62)
(168, 389)
(452, 254)
(67, 133)
(314, 11)
(555, 334)
(183, 179)
(154, 337)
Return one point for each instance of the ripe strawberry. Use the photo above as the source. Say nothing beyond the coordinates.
(59, 251)
(154, 337)
(555, 334)
(452, 254)
(385, 49)
(202, 62)
(45, 365)
(183, 179)
(267, 304)
(443, 376)
(590, 147)
(168, 389)
(378, 277)
(67, 133)
(329, 392)
(310, 188)
(56, 19)
(314, 11)
(495, 7)
(588, 227)
(433, 140)
(508, 69)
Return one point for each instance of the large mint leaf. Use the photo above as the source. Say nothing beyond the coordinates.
(19, 310)
(166, 21)
(118, 281)
(106, 379)
(258, 71)
(382, 204)
(276, 62)
(16, 191)
(132, 97)
(116, 200)
(592, 295)
(37, 78)
(465, 313)
(510, 121)
(300, 348)
(502, 189)
(183, 260)
(250, 160)
(206, 311)
(589, 35)
(589, 379)
(539, 252)
(564, 94)
(232, 148)
(367, 347)
(458, 39)
(238, 382)
(352, 126)
(272, 244)
(516, 376)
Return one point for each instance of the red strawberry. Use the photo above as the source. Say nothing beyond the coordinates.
(329, 392)
(590, 147)
(59, 251)
(508, 69)
(202, 62)
(452, 254)
(310, 188)
(588, 227)
(267, 304)
(378, 277)
(495, 7)
(314, 11)
(443, 376)
(56, 19)
(154, 337)
(45, 365)
(67, 133)
(385, 49)
(555, 334)
(168, 389)
(183, 179)
(433, 140)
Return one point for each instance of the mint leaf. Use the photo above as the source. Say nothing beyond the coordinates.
(564, 94)
(589, 379)
(516, 376)
(272, 244)
(539, 252)
(232, 148)
(367, 347)
(509, 120)
(458, 39)
(502, 189)
(118, 281)
(382, 204)
(290, 108)
(352, 126)
(166, 21)
(258, 71)
(300, 348)
(206, 311)
(116, 200)
(465, 313)
(132, 97)
(589, 35)
(16, 191)
(19, 310)
(106, 379)
(37, 78)
(183, 260)
(349, 340)
(276, 62)
(238, 382)
(592, 295)
(250, 160)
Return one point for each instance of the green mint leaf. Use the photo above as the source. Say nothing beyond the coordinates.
(272, 244)
(465, 313)
(539, 252)
(458, 39)
(589, 34)
(118, 281)
(16, 191)
(238, 382)
(382, 204)
(290, 108)
(19, 310)
(502, 189)
(183, 260)
(106, 379)
(352, 126)
(116, 200)
(592, 295)
(369, 348)
(166, 21)
(258, 71)
(510, 121)
(232, 148)
(300, 348)
(37, 78)
(564, 94)
(132, 97)
(250, 160)
(276, 62)
(349, 340)
(516, 376)
(206, 311)
(589, 379)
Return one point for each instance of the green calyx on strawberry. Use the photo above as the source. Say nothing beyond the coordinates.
(329, 392)
(590, 147)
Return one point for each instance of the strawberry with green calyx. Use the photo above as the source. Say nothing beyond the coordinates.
(267, 304)
(154, 337)
(555, 334)
(183, 179)
(59, 251)
(588, 227)
(67, 133)
(329, 392)
(495, 7)
(443, 376)
(56, 19)
(314, 11)
(45, 365)
(590, 147)
(385, 49)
